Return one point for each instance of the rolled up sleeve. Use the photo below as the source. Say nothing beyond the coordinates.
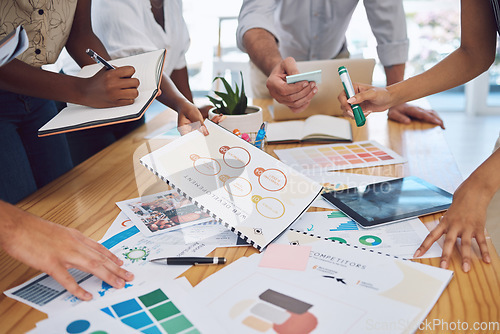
(255, 14)
(388, 23)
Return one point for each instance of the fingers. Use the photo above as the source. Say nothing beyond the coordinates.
(431, 238)
(102, 267)
(103, 250)
(396, 116)
(483, 247)
(466, 252)
(449, 243)
(405, 113)
(63, 277)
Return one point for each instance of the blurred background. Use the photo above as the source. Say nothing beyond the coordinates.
(471, 112)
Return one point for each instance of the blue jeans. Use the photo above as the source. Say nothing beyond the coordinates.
(28, 162)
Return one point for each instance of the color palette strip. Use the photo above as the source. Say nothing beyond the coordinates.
(151, 313)
(339, 156)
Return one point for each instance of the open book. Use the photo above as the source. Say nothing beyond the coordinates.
(148, 69)
(252, 193)
(313, 128)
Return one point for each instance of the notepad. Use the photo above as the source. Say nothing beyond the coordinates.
(314, 128)
(148, 69)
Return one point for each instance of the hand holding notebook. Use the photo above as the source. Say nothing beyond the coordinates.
(148, 70)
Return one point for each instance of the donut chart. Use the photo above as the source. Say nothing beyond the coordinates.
(370, 240)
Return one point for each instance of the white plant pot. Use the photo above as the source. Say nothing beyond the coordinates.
(246, 123)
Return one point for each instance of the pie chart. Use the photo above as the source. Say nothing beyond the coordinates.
(370, 240)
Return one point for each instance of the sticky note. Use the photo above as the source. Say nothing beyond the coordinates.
(286, 257)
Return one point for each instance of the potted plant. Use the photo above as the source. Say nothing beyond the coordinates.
(233, 105)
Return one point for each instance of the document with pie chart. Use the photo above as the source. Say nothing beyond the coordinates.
(246, 189)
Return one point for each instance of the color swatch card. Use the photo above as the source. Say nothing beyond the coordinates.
(249, 191)
(322, 158)
(154, 308)
(400, 239)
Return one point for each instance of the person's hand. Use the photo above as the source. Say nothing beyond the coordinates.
(54, 249)
(404, 113)
(370, 98)
(296, 96)
(110, 88)
(188, 114)
(204, 110)
(464, 219)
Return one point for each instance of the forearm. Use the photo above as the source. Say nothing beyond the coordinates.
(170, 95)
(441, 77)
(474, 56)
(487, 176)
(21, 78)
(82, 37)
(394, 73)
(9, 217)
(181, 80)
(262, 48)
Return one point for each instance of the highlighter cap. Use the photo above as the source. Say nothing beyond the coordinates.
(359, 117)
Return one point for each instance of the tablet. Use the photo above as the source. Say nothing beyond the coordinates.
(390, 201)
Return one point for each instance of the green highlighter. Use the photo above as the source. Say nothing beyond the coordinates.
(359, 117)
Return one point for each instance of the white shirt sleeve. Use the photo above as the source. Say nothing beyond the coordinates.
(388, 23)
(256, 14)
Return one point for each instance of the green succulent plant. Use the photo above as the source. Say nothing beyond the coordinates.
(232, 102)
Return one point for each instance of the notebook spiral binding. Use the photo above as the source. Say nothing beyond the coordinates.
(202, 208)
(349, 245)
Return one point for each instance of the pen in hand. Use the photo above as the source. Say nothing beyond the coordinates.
(98, 59)
(189, 261)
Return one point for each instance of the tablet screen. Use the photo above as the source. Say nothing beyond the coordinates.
(390, 201)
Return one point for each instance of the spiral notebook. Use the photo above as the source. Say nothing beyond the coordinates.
(249, 191)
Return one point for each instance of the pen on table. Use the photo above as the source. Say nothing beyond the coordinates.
(98, 59)
(349, 91)
(260, 135)
(189, 260)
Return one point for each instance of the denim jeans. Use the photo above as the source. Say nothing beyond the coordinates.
(28, 162)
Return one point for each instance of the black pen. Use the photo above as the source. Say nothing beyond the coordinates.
(98, 59)
(189, 260)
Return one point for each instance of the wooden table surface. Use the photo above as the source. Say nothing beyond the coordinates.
(85, 197)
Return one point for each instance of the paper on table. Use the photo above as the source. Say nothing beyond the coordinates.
(399, 239)
(246, 298)
(156, 307)
(409, 282)
(321, 158)
(46, 295)
(162, 212)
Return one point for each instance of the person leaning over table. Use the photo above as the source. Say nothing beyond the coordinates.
(130, 27)
(28, 162)
(465, 219)
(276, 34)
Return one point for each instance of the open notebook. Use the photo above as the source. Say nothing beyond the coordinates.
(148, 69)
(326, 102)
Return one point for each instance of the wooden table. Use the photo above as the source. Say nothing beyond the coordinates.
(85, 197)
